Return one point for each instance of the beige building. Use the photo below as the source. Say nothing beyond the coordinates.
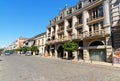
(87, 24)
(40, 42)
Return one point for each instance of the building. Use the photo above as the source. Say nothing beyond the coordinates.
(115, 22)
(87, 24)
(17, 43)
(39, 41)
(20, 42)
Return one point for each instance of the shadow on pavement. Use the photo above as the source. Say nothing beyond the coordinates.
(0, 60)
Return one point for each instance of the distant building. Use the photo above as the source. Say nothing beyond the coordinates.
(39, 41)
(17, 43)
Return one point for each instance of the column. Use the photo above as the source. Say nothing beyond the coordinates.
(51, 51)
(56, 28)
(51, 32)
(65, 27)
(66, 53)
(100, 29)
(106, 16)
(74, 32)
(56, 54)
(75, 55)
(86, 54)
(85, 51)
(92, 28)
(85, 26)
(108, 49)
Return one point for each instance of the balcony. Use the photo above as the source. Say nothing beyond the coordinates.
(60, 31)
(95, 34)
(78, 37)
(96, 19)
(69, 28)
(50, 42)
(48, 34)
(67, 38)
(53, 33)
(78, 25)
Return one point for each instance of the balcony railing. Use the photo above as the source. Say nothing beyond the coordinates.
(78, 25)
(96, 18)
(53, 32)
(68, 38)
(60, 31)
(48, 34)
(96, 33)
(69, 28)
(50, 42)
(79, 36)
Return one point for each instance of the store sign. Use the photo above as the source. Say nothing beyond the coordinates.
(117, 57)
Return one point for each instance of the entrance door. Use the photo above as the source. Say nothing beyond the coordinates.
(98, 55)
(80, 54)
(60, 52)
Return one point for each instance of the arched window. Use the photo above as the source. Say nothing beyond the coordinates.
(96, 43)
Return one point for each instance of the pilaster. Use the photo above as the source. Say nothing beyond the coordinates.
(106, 16)
(75, 55)
(56, 28)
(65, 27)
(84, 20)
(56, 54)
(86, 54)
(74, 20)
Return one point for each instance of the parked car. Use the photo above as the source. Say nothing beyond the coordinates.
(7, 53)
(28, 54)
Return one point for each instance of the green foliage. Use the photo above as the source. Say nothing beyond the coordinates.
(9, 51)
(24, 49)
(1, 50)
(34, 49)
(19, 49)
(70, 46)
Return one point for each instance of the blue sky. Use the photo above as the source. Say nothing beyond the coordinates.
(27, 18)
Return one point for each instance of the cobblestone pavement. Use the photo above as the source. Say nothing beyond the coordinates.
(31, 68)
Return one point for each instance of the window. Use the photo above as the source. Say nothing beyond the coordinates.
(90, 28)
(100, 10)
(116, 3)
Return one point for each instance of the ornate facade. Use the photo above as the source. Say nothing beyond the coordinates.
(88, 25)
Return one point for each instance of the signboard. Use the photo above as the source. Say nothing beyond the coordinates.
(117, 57)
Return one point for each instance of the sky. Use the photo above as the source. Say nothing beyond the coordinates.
(27, 18)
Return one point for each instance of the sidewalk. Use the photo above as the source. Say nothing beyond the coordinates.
(100, 63)
(87, 62)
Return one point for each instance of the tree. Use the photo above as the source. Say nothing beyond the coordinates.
(1, 50)
(34, 49)
(70, 46)
(24, 49)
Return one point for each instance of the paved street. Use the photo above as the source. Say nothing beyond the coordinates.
(32, 68)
